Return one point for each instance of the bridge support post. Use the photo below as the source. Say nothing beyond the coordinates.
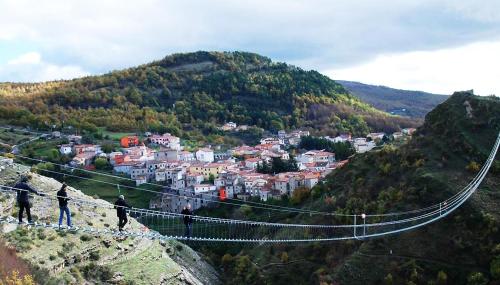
(355, 227)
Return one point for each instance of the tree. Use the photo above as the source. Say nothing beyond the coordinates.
(477, 278)
(54, 155)
(101, 163)
(388, 280)
(88, 139)
(107, 147)
(342, 150)
(278, 165)
(284, 257)
(292, 164)
(211, 178)
(299, 195)
(442, 278)
(495, 268)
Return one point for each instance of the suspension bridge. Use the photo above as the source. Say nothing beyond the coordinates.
(170, 225)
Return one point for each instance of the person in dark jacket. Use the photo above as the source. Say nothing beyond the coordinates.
(188, 219)
(62, 197)
(23, 189)
(121, 212)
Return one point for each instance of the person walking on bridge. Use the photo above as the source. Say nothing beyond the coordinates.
(188, 219)
(62, 197)
(121, 212)
(23, 190)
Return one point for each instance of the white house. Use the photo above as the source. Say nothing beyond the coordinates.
(205, 155)
(397, 135)
(167, 140)
(139, 180)
(186, 156)
(194, 179)
(362, 145)
(138, 171)
(316, 156)
(126, 167)
(66, 149)
(252, 162)
(340, 138)
(203, 188)
(376, 136)
(229, 126)
(271, 141)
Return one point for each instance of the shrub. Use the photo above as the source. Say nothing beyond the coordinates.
(78, 258)
(388, 280)
(15, 279)
(41, 234)
(284, 257)
(226, 260)
(93, 271)
(473, 167)
(52, 257)
(495, 268)
(76, 274)
(85, 237)
(94, 255)
(477, 278)
(68, 246)
(442, 278)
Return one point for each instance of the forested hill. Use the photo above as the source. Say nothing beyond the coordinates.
(440, 159)
(190, 94)
(395, 101)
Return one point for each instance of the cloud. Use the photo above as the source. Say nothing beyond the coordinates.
(444, 71)
(27, 58)
(99, 36)
(30, 67)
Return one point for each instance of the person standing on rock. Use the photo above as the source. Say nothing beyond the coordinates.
(23, 189)
(188, 219)
(121, 212)
(62, 197)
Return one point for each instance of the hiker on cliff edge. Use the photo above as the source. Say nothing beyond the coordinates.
(121, 211)
(23, 189)
(62, 197)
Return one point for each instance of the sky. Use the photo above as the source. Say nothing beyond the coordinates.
(437, 46)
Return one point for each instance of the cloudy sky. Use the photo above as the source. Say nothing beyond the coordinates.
(431, 45)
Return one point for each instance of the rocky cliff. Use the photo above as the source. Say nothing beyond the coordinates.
(72, 257)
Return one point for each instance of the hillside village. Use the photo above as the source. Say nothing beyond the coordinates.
(205, 175)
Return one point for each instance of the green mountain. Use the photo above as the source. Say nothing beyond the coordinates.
(414, 104)
(191, 94)
(441, 158)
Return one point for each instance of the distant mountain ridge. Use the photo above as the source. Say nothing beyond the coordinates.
(415, 104)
